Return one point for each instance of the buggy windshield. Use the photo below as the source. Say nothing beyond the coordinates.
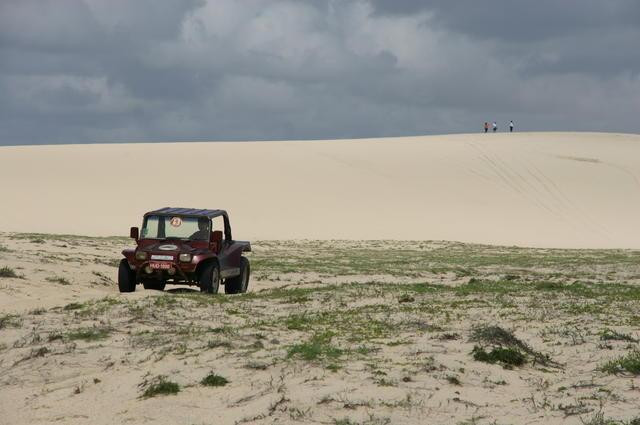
(176, 227)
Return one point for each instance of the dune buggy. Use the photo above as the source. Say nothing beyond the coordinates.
(185, 246)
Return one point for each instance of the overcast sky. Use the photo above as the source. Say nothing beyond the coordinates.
(79, 71)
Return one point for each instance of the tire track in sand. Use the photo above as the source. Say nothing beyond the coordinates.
(538, 189)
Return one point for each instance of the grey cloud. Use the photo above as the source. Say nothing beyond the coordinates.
(521, 20)
(97, 70)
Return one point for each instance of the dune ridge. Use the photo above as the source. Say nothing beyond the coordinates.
(556, 190)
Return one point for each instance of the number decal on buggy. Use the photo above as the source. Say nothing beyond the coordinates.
(176, 222)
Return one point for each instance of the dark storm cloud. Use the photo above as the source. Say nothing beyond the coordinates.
(97, 70)
(522, 20)
(590, 36)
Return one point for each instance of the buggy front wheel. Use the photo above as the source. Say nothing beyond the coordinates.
(126, 277)
(210, 279)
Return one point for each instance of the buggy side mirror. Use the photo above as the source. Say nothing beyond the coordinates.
(134, 233)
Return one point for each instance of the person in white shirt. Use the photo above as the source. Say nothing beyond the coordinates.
(511, 126)
(495, 127)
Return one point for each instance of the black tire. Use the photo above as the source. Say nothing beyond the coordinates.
(154, 285)
(126, 277)
(240, 283)
(210, 279)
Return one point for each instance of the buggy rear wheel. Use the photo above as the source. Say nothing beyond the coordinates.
(240, 283)
(126, 277)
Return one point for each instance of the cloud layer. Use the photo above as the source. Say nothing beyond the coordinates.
(77, 71)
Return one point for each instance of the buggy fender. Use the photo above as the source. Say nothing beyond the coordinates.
(129, 254)
(203, 259)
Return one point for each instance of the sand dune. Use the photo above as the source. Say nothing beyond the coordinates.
(527, 189)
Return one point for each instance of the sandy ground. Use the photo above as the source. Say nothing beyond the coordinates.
(392, 323)
(88, 266)
(525, 189)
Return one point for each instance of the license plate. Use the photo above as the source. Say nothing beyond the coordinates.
(162, 257)
(160, 266)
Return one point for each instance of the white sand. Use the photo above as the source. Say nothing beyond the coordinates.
(528, 189)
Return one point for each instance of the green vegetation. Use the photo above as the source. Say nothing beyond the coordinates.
(94, 308)
(160, 386)
(390, 310)
(318, 347)
(344, 421)
(600, 419)
(213, 380)
(43, 237)
(219, 343)
(73, 306)
(87, 334)
(417, 258)
(496, 335)
(508, 349)
(507, 356)
(57, 279)
(355, 324)
(629, 363)
(453, 380)
(10, 320)
(612, 335)
(7, 272)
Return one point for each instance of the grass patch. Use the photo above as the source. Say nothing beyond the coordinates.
(160, 386)
(612, 335)
(507, 356)
(88, 334)
(58, 279)
(600, 419)
(356, 324)
(629, 363)
(65, 238)
(7, 272)
(10, 320)
(453, 380)
(216, 344)
(213, 380)
(448, 336)
(495, 335)
(96, 307)
(344, 421)
(507, 348)
(73, 306)
(406, 298)
(319, 347)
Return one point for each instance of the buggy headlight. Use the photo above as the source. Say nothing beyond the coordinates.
(185, 258)
(141, 255)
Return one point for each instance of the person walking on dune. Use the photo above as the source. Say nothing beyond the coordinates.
(495, 127)
(511, 126)
(486, 126)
